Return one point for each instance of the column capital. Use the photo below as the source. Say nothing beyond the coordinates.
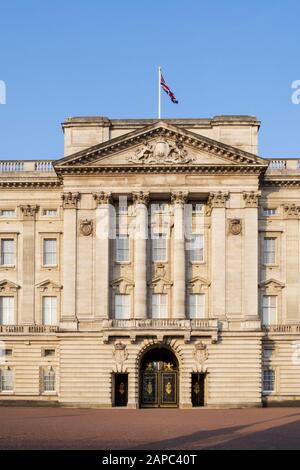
(179, 197)
(29, 212)
(70, 200)
(141, 197)
(291, 210)
(251, 198)
(217, 199)
(102, 198)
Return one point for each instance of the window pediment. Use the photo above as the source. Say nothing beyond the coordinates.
(122, 285)
(49, 285)
(198, 285)
(160, 285)
(8, 286)
(272, 285)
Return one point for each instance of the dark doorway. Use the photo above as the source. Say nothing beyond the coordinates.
(198, 389)
(121, 389)
(159, 379)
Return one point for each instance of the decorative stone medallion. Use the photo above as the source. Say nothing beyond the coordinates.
(86, 227)
(235, 226)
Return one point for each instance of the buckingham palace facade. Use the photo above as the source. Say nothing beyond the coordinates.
(157, 264)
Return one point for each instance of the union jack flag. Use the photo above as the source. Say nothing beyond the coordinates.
(167, 90)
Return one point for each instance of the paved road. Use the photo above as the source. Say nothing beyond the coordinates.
(68, 428)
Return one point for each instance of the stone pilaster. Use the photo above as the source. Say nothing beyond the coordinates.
(102, 255)
(217, 206)
(292, 229)
(28, 213)
(250, 249)
(179, 266)
(68, 315)
(141, 200)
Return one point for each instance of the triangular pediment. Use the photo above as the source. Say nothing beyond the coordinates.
(158, 146)
(6, 285)
(272, 284)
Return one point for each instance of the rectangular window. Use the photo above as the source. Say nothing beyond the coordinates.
(48, 380)
(268, 380)
(269, 310)
(49, 314)
(196, 247)
(122, 248)
(269, 250)
(7, 213)
(269, 211)
(122, 306)
(159, 247)
(7, 312)
(197, 306)
(159, 305)
(6, 382)
(7, 252)
(50, 252)
(50, 212)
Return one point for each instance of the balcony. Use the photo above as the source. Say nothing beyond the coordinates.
(160, 328)
(28, 329)
(285, 329)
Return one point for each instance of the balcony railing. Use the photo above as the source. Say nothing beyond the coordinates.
(160, 323)
(284, 164)
(18, 166)
(28, 329)
(281, 328)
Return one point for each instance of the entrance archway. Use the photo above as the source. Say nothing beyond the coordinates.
(159, 377)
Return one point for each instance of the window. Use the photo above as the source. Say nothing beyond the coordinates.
(268, 380)
(7, 310)
(50, 212)
(197, 306)
(269, 310)
(269, 250)
(159, 305)
(7, 252)
(269, 211)
(7, 213)
(49, 314)
(159, 247)
(122, 248)
(196, 247)
(49, 352)
(122, 306)
(49, 252)
(159, 208)
(6, 380)
(48, 380)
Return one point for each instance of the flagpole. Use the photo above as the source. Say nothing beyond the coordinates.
(159, 93)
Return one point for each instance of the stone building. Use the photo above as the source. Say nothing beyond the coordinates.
(156, 264)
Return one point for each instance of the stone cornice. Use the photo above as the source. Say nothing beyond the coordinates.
(31, 184)
(159, 130)
(136, 169)
(281, 182)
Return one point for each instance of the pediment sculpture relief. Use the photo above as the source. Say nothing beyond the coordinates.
(162, 152)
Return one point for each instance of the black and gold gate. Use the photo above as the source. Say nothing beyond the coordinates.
(159, 379)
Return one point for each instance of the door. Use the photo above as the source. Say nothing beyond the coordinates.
(159, 379)
(198, 389)
(121, 389)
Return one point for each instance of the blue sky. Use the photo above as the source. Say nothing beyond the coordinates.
(95, 57)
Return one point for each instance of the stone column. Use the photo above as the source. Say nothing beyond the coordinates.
(140, 200)
(27, 312)
(250, 290)
(217, 205)
(102, 255)
(68, 316)
(179, 266)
